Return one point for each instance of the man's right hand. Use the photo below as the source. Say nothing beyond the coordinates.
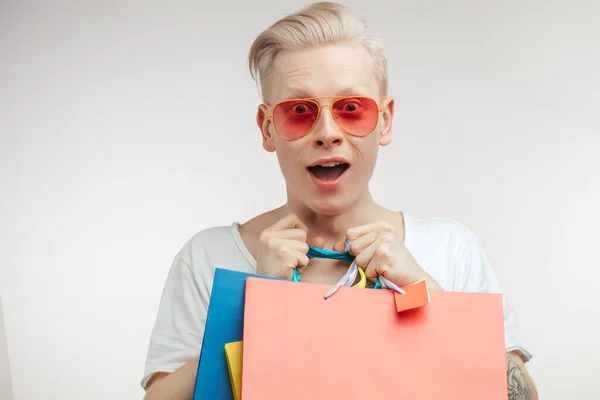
(283, 248)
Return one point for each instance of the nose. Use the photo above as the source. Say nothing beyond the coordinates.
(327, 133)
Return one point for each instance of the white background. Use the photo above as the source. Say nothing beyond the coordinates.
(128, 126)
(5, 379)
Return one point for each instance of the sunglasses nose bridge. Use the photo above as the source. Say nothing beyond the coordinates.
(322, 106)
(327, 127)
(329, 106)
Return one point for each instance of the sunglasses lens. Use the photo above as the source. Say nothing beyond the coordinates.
(294, 118)
(357, 115)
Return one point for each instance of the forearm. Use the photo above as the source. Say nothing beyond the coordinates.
(433, 285)
(178, 385)
(520, 384)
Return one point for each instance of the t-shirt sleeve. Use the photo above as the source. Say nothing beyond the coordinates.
(477, 275)
(179, 328)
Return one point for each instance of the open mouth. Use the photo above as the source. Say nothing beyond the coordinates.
(330, 171)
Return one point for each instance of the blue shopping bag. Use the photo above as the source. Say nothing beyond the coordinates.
(224, 324)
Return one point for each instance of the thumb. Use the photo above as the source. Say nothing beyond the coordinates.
(316, 242)
(339, 246)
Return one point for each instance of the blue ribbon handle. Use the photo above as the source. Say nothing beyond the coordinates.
(296, 276)
(315, 252)
(384, 282)
(349, 277)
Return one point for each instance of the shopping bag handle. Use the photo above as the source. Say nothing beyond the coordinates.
(315, 252)
(353, 270)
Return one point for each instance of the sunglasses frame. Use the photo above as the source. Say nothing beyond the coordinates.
(319, 107)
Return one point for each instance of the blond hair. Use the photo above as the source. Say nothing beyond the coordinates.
(318, 24)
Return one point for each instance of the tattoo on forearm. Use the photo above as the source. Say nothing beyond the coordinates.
(518, 386)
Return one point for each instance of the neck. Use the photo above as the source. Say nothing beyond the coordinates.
(332, 226)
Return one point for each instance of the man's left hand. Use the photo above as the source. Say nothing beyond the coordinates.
(380, 251)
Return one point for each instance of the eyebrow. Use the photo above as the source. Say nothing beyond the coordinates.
(300, 93)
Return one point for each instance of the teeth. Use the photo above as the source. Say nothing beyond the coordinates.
(331, 164)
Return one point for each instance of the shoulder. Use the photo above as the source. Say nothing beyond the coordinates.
(438, 232)
(453, 255)
(217, 246)
(216, 235)
(213, 236)
(440, 245)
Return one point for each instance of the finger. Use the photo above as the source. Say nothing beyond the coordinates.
(290, 221)
(282, 246)
(380, 252)
(296, 234)
(363, 259)
(354, 233)
(317, 242)
(301, 258)
(374, 270)
(360, 244)
(371, 272)
(339, 246)
(295, 259)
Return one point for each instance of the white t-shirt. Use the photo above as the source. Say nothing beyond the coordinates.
(446, 250)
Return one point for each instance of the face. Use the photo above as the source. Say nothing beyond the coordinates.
(327, 170)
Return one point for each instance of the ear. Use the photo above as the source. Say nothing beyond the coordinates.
(264, 124)
(388, 112)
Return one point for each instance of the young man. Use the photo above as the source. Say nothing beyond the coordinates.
(326, 111)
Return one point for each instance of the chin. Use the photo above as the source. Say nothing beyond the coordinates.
(330, 202)
(328, 206)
